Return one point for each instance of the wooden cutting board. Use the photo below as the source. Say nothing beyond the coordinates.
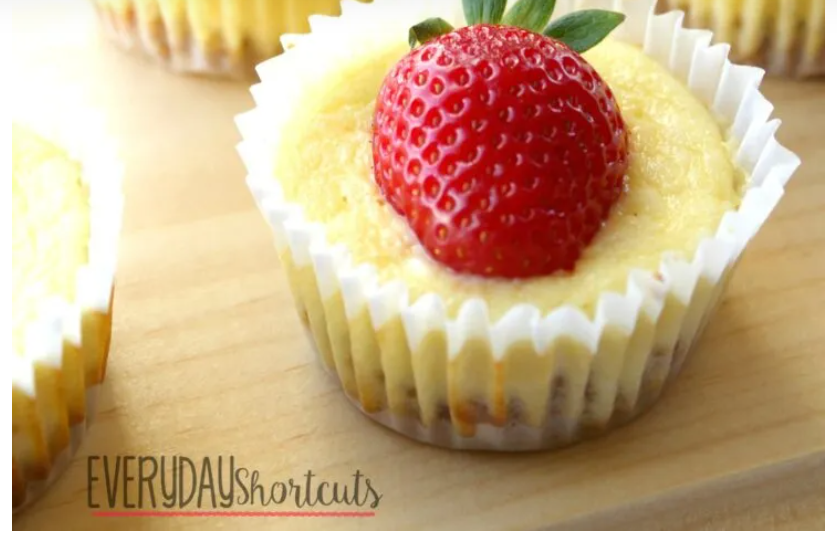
(209, 359)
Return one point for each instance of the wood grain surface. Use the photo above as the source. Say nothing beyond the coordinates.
(209, 359)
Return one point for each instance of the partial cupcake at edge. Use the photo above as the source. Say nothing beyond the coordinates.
(66, 217)
(785, 37)
(216, 38)
(509, 237)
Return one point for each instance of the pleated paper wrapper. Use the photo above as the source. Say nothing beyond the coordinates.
(526, 381)
(55, 382)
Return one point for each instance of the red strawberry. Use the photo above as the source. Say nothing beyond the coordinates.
(502, 148)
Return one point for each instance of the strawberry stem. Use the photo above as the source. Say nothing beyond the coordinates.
(430, 29)
(582, 30)
(530, 14)
(483, 11)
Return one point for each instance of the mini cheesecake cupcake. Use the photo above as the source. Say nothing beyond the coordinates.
(503, 231)
(66, 216)
(786, 37)
(212, 37)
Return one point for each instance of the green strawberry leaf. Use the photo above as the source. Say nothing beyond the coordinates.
(582, 30)
(424, 31)
(483, 11)
(530, 14)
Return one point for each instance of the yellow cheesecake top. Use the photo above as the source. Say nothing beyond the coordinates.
(681, 179)
(50, 227)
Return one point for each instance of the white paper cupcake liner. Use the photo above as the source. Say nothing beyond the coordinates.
(527, 381)
(205, 37)
(774, 35)
(55, 382)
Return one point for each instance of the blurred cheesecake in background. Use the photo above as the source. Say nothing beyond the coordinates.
(786, 37)
(66, 217)
(223, 38)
